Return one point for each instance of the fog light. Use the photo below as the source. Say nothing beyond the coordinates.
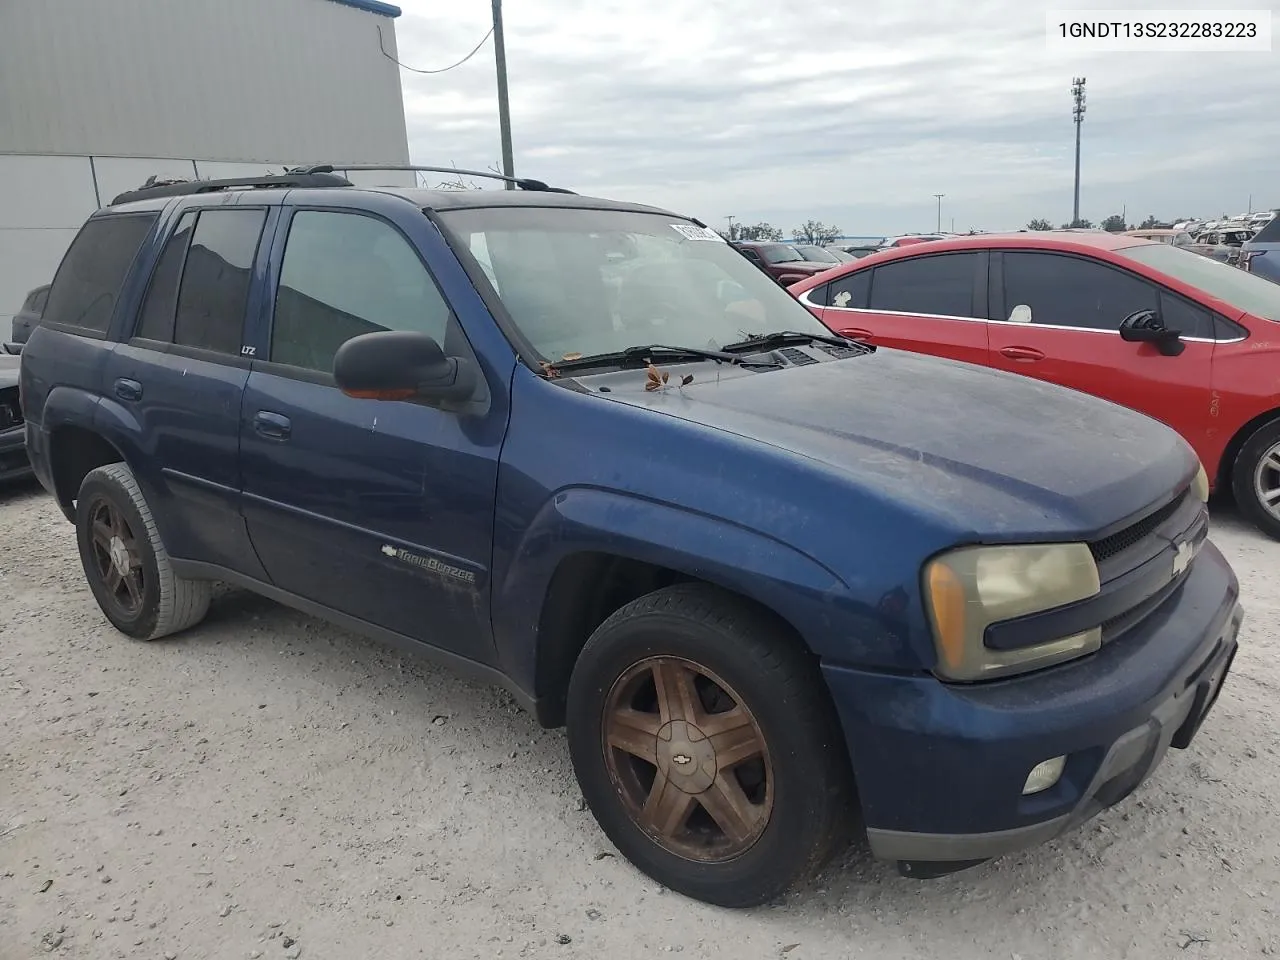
(1044, 775)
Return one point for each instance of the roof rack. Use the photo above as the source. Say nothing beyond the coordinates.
(524, 183)
(179, 188)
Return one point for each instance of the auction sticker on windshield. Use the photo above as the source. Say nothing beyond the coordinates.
(693, 232)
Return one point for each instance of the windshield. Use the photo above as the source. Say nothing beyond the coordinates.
(816, 254)
(1242, 290)
(780, 253)
(598, 281)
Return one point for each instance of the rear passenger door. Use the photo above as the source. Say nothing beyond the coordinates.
(933, 304)
(180, 379)
(382, 511)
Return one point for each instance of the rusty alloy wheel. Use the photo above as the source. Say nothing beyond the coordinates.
(688, 759)
(116, 559)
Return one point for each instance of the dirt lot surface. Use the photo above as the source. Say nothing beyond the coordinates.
(268, 786)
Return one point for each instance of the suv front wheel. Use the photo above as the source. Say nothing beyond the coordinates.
(125, 562)
(706, 746)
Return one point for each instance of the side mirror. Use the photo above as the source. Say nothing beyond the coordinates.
(401, 365)
(1145, 326)
(14, 349)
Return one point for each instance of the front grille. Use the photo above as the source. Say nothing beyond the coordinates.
(10, 411)
(1132, 535)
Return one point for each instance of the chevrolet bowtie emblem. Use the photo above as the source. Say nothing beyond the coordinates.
(681, 759)
(1182, 557)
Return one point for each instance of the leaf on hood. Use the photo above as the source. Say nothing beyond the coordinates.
(686, 379)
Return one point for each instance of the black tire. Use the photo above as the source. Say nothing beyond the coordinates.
(166, 603)
(1264, 441)
(812, 812)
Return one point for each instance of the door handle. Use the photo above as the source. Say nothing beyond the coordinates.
(857, 333)
(1026, 354)
(128, 389)
(275, 426)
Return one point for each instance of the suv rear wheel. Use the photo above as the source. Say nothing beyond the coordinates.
(706, 746)
(125, 562)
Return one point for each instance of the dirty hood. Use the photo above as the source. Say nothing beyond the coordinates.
(989, 452)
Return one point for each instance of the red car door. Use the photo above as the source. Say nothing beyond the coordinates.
(1057, 317)
(932, 304)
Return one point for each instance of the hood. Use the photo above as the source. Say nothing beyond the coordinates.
(987, 453)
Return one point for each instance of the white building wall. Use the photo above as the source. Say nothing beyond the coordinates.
(98, 95)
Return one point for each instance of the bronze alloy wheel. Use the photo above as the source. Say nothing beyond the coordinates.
(688, 759)
(115, 557)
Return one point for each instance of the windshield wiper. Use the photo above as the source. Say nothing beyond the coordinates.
(641, 354)
(782, 338)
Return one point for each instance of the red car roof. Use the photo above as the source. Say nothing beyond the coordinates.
(1069, 241)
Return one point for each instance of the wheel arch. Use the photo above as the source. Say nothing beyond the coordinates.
(1226, 465)
(75, 451)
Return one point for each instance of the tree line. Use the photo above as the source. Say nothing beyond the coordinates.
(811, 231)
(1112, 224)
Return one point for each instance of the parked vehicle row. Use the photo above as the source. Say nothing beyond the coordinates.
(779, 584)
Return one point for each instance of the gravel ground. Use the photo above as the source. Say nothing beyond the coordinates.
(268, 786)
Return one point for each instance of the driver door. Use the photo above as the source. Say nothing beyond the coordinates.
(1057, 317)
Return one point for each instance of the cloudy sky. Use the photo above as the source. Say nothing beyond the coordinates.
(851, 113)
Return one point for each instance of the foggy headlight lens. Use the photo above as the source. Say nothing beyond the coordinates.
(1201, 485)
(969, 589)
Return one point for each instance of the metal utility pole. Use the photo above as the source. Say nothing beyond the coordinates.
(939, 197)
(730, 218)
(1077, 113)
(504, 108)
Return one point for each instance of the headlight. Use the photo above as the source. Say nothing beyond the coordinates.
(1201, 485)
(969, 589)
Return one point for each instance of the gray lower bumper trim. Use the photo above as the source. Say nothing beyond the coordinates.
(900, 845)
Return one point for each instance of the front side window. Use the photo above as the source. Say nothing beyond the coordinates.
(346, 274)
(216, 277)
(1241, 289)
(1065, 291)
(580, 281)
(940, 285)
(93, 270)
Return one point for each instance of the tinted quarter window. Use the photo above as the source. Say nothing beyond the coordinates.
(850, 291)
(1187, 318)
(941, 284)
(215, 280)
(162, 295)
(344, 275)
(94, 269)
(1072, 291)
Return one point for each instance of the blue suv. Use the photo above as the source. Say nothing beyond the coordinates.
(779, 586)
(1261, 254)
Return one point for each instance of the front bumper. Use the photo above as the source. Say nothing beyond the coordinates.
(13, 454)
(940, 768)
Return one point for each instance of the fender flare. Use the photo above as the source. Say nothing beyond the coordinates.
(578, 520)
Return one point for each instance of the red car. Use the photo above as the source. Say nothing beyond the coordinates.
(1179, 337)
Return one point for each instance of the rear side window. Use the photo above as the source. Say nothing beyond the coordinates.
(850, 291)
(162, 295)
(214, 290)
(93, 270)
(941, 285)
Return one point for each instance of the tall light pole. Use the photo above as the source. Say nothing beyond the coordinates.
(939, 197)
(730, 219)
(504, 108)
(1077, 113)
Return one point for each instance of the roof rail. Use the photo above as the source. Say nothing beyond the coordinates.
(524, 183)
(180, 188)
